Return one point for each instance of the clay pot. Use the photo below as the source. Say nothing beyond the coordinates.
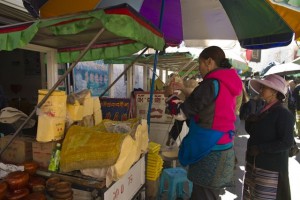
(63, 187)
(52, 181)
(17, 180)
(36, 182)
(71, 198)
(50, 184)
(36, 196)
(38, 188)
(30, 167)
(65, 195)
(17, 194)
(3, 189)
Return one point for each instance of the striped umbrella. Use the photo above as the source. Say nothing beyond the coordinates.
(256, 24)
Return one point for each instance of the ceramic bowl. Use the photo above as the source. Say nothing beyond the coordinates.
(52, 181)
(63, 187)
(65, 195)
(36, 196)
(3, 189)
(30, 167)
(38, 188)
(17, 194)
(36, 181)
(17, 180)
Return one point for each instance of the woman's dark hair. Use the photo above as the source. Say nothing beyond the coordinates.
(217, 54)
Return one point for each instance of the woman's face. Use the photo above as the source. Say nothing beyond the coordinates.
(267, 94)
(203, 67)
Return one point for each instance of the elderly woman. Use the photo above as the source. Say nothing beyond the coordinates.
(210, 108)
(271, 137)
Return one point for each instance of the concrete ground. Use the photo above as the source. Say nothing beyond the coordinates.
(235, 193)
(240, 148)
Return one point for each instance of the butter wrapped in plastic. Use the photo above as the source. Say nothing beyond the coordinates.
(75, 111)
(97, 116)
(97, 105)
(88, 106)
(50, 128)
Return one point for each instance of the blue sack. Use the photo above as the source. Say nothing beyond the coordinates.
(198, 143)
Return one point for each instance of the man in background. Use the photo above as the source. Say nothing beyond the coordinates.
(3, 102)
(296, 95)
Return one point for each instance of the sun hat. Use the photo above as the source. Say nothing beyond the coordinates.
(272, 81)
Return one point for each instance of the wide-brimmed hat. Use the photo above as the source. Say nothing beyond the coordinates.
(272, 81)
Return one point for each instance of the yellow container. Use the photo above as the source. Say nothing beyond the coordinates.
(55, 105)
(50, 128)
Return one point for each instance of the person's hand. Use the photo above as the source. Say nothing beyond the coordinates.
(253, 150)
(173, 104)
(168, 91)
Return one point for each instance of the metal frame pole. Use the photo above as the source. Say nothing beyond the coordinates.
(52, 89)
(125, 70)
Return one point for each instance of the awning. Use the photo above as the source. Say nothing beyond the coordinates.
(126, 33)
(167, 61)
(178, 61)
(12, 15)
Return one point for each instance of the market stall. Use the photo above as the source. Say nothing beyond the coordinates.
(74, 38)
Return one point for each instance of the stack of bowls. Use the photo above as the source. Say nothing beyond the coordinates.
(3, 189)
(36, 196)
(59, 190)
(17, 183)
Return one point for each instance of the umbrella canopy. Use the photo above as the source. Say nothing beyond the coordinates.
(284, 69)
(256, 24)
(71, 34)
(290, 12)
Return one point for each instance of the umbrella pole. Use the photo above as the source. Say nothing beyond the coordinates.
(52, 89)
(154, 67)
(125, 70)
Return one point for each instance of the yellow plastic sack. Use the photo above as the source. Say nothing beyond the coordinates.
(125, 161)
(132, 148)
(84, 147)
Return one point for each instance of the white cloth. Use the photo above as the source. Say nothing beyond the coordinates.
(15, 117)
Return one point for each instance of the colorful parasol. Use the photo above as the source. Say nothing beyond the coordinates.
(70, 34)
(285, 69)
(256, 24)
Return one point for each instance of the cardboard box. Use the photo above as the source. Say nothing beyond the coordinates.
(128, 185)
(41, 152)
(19, 151)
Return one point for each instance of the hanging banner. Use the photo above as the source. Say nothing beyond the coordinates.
(91, 75)
(157, 114)
(116, 109)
